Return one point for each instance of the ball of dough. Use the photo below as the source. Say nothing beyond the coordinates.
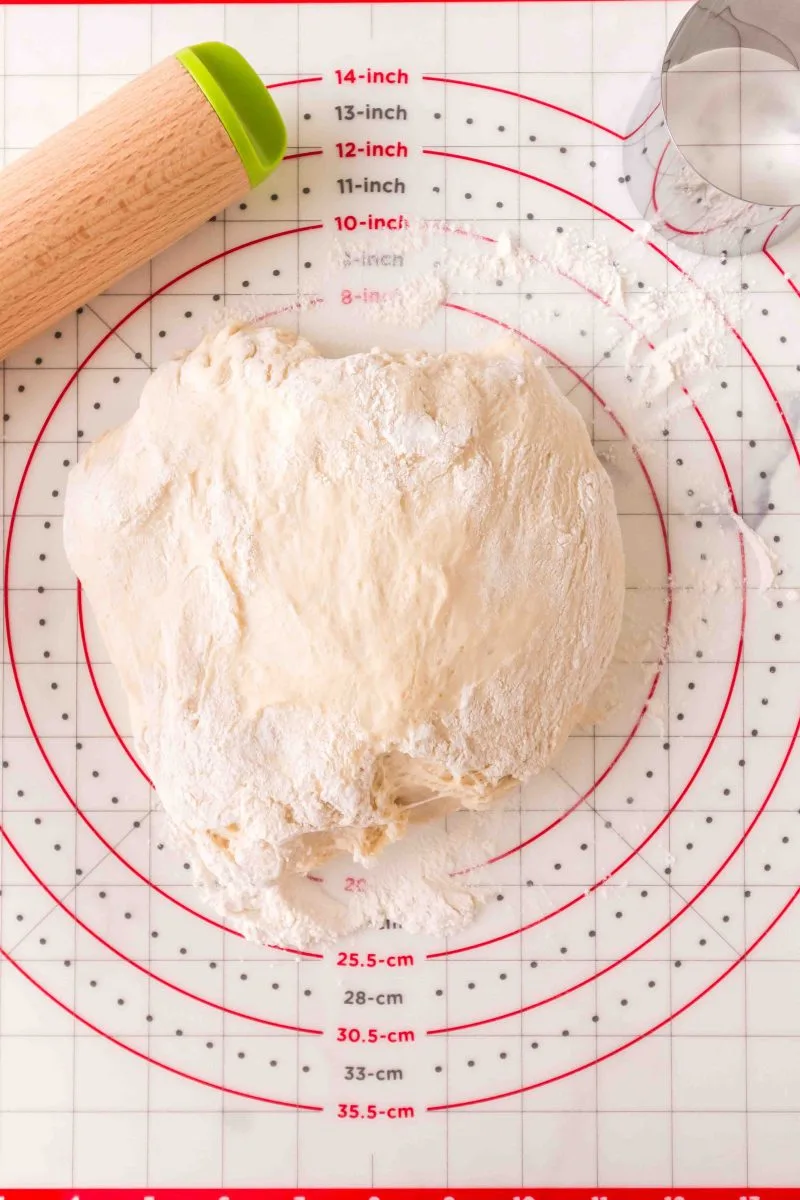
(344, 593)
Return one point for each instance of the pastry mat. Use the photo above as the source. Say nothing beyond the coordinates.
(626, 1010)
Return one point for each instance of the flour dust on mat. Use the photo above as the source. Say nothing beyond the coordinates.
(345, 597)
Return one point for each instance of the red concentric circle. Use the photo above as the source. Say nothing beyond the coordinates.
(445, 953)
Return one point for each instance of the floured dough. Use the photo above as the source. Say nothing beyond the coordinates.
(344, 592)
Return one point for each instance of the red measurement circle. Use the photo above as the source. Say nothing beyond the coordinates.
(156, 978)
(638, 848)
(74, 803)
(662, 525)
(89, 664)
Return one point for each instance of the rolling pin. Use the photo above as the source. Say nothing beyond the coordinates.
(127, 179)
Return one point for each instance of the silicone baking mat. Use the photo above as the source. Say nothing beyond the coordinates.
(626, 1009)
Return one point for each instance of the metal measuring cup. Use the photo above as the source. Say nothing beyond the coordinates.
(713, 157)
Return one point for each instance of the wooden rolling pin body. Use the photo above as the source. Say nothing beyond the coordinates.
(104, 195)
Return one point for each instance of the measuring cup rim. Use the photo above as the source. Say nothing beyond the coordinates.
(762, 205)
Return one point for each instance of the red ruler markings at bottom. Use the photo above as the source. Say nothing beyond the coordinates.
(581, 1193)
(596, 1193)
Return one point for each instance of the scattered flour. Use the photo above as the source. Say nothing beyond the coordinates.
(413, 304)
(678, 335)
(674, 335)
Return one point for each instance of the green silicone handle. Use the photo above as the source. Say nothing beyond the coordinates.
(241, 102)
